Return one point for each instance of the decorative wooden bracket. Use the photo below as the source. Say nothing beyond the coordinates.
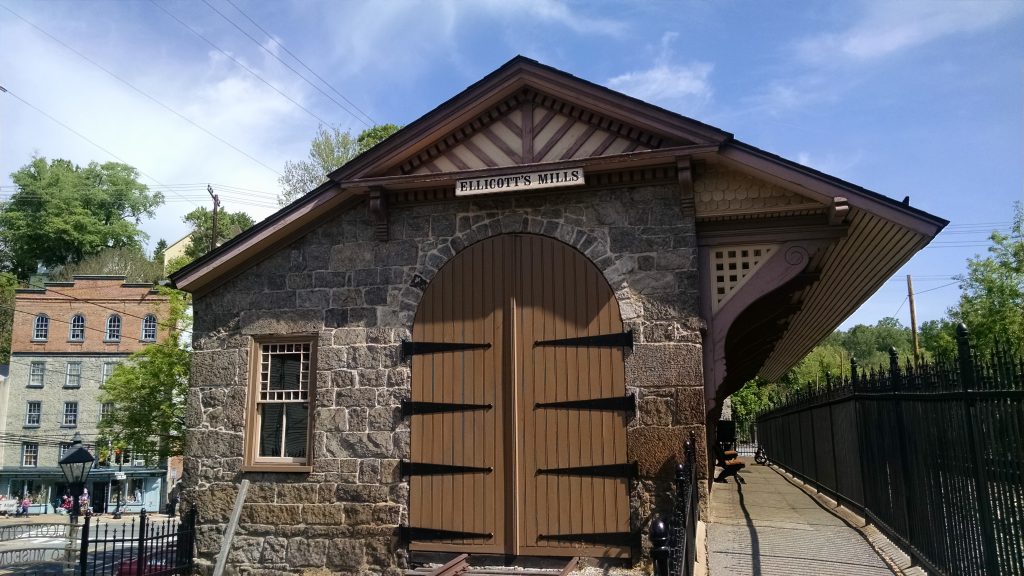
(684, 171)
(379, 213)
(838, 211)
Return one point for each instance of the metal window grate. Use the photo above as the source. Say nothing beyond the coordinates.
(284, 372)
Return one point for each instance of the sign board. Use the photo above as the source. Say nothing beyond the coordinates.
(119, 476)
(520, 182)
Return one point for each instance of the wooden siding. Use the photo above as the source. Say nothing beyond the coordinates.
(513, 291)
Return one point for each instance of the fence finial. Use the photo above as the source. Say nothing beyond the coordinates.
(853, 371)
(660, 551)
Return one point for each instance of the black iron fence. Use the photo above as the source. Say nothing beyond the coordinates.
(148, 546)
(932, 454)
(673, 543)
(142, 545)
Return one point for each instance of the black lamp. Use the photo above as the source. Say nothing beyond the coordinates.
(76, 465)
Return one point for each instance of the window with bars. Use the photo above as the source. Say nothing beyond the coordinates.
(73, 375)
(113, 328)
(70, 414)
(149, 328)
(33, 413)
(36, 374)
(30, 454)
(77, 331)
(282, 402)
(41, 328)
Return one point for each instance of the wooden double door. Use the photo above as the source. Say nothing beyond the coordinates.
(518, 409)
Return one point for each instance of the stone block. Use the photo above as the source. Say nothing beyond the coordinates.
(655, 411)
(357, 419)
(395, 253)
(214, 368)
(369, 471)
(360, 493)
(389, 514)
(384, 418)
(350, 397)
(245, 550)
(332, 420)
(214, 443)
(327, 514)
(346, 554)
(332, 279)
(317, 298)
(284, 321)
(274, 550)
(657, 365)
(215, 502)
(296, 493)
(352, 256)
(358, 514)
(273, 514)
(306, 552)
(689, 407)
(362, 317)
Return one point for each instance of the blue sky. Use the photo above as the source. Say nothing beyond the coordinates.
(924, 99)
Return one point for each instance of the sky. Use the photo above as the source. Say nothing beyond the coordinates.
(906, 98)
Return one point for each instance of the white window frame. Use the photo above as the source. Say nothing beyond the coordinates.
(36, 378)
(31, 422)
(76, 328)
(106, 409)
(149, 326)
(70, 413)
(73, 378)
(107, 371)
(262, 394)
(113, 331)
(30, 451)
(41, 328)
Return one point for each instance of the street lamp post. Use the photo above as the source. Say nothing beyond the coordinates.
(120, 482)
(76, 465)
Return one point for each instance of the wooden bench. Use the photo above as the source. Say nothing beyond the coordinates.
(729, 461)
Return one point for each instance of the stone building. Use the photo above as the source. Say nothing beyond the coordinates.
(493, 332)
(67, 338)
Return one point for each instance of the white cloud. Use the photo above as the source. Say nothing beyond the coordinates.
(887, 27)
(666, 82)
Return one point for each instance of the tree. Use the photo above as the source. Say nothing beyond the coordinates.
(330, 149)
(159, 250)
(148, 391)
(128, 262)
(992, 291)
(7, 285)
(229, 225)
(938, 339)
(62, 213)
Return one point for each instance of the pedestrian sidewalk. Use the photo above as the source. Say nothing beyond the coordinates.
(63, 519)
(762, 525)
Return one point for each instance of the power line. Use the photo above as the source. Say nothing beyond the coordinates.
(276, 57)
(73, 131)
(240, 64)
(140, 91)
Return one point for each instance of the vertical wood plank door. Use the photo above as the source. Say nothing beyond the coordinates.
(527, 465)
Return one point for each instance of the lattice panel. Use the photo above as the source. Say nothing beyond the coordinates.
(284, 372)
(732, 266)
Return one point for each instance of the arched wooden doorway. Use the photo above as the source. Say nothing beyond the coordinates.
(519, 407)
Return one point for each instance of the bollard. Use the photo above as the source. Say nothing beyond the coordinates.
(660, 551)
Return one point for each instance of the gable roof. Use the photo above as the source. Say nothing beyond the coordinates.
(529, 114)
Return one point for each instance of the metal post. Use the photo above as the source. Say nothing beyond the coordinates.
(141, 547)
(659, 547)
(120, 484)
(896, 382)
(83, 554)
(965, 359)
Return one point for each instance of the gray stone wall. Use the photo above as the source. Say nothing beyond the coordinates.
(360, 296)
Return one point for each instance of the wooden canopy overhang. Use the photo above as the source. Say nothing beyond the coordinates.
(837, 242)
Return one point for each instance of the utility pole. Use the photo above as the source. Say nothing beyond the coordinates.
(913, 320)
(216, 204)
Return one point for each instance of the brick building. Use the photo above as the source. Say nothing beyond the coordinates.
(493, 332)
(67, 339)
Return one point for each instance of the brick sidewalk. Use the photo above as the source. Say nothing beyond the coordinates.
(763, 526)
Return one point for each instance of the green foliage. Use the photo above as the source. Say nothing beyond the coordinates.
(175, 264)
(229, 225)
(7, 285)
(375, 135)
(992, 291)
(149, 390)
(129, 262)
(330, 149)
(159, 250)
(938, 339)
(62, 213)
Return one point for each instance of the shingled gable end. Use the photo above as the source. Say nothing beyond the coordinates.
(512, 372)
